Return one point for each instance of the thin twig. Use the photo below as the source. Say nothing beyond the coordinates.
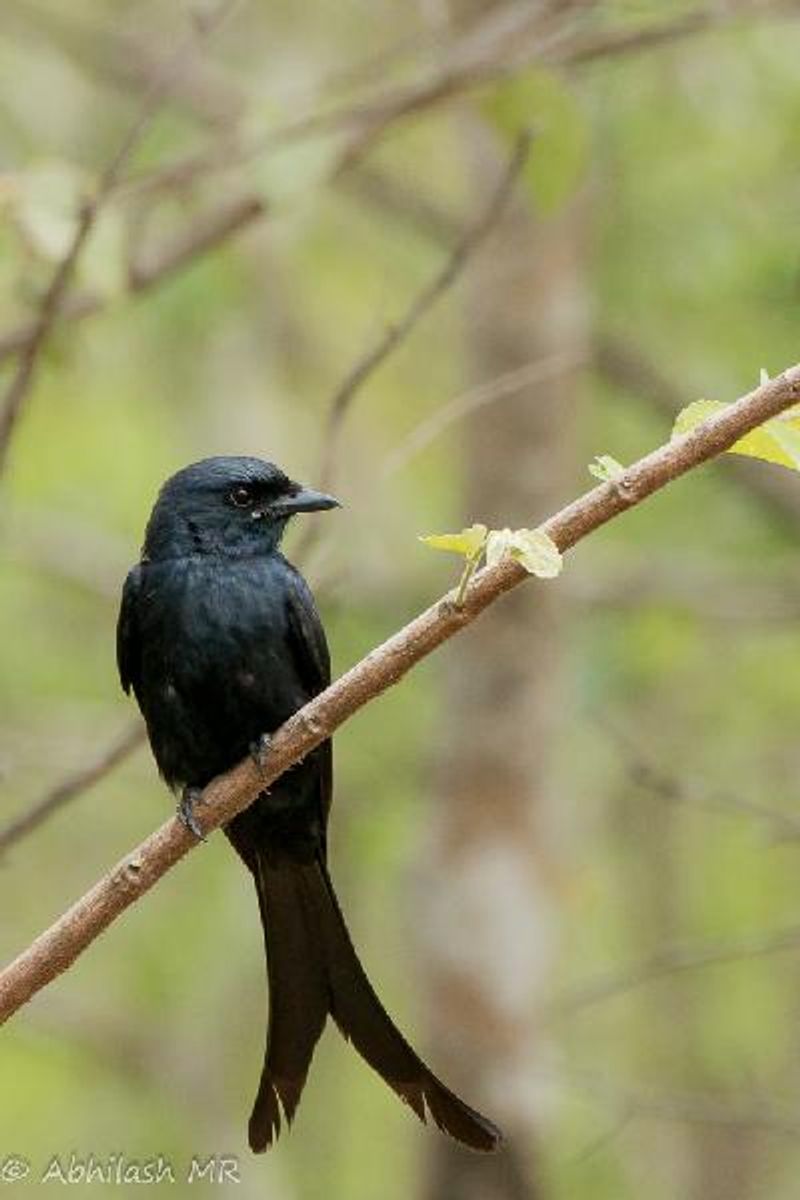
(71, 787)
(55, 949)
(207, 232)
(663, 785)
(396, 333)
(55, 293)
(539, 370)
(672, 960)
(690, 1107)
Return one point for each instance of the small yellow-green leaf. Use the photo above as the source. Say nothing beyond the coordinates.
(498, 543)
(786, 434)
(606, 468)
(776, 441)
(537, 553)
(469, 542)
(694, 414)
(532, 548)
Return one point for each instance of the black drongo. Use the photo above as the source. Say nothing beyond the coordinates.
(220, 640)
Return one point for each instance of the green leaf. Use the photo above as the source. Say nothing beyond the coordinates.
(776, 441)
(531, 548)
(469, 542)
(605, 468)
(543, 101)
(537, 553)
(498, 544)
(694, 414)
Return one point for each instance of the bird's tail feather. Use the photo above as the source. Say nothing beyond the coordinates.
(298, 994)
(313, 970)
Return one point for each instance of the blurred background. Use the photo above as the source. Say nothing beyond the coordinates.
(568, 843)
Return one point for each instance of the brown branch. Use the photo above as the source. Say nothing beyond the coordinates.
(55, 293)
(205, 234)
(55, 949)
(71, 787)
(627, 368)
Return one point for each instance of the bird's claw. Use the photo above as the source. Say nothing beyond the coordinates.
(191, 796)
(260, 749)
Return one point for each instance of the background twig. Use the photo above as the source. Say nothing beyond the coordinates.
(398, 331)
(71, 787)
(56, 290)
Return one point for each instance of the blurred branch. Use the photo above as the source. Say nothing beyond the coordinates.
(87, 556)
(207, 233)
(71, 787)
(397, 332)
(504, 44)
(473, 59)
(691, 1107)
(628, 369)
(389, 193)
(128, 61)
(433, 290)
(671, 960)
(617, 42)
(54, 294)
(718, 596)
(540, 370)
(58, 947)
(662, 785)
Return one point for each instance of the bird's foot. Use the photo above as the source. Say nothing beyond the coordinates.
(190, 796)
(259, 750)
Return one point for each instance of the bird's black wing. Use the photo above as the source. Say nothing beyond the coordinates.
(309, 644)
(312, 657)
(128, 641)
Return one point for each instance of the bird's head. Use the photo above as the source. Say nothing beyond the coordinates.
(226, 506)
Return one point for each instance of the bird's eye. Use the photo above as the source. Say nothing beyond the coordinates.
(242, 497)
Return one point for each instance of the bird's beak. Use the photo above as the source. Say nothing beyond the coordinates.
(304, 500)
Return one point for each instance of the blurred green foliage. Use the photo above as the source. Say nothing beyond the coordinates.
(151, 1043)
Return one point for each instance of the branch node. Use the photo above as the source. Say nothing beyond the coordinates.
(625, 488)
(313, 724)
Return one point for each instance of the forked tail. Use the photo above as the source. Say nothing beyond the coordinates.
(314, 970)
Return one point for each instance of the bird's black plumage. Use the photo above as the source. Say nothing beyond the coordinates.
(220, 640)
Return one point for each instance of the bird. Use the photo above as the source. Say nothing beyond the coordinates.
(220, 641)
